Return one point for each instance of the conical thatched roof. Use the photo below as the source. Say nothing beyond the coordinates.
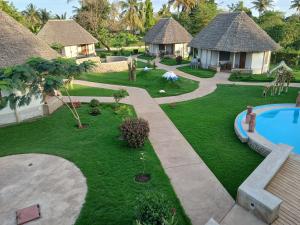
(17, 43)
(234, 32)
(66, 33)
(167, 31)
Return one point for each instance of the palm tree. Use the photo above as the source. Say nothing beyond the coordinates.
(185, 5)
(61, 17)
(262, 5)
(131, 14)
(165, 11)
(295, 5)
(32, 16)
(44, 15)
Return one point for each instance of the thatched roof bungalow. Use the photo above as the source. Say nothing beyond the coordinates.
(17, 43)
(168, 36)
(233, 41)
(74, 39)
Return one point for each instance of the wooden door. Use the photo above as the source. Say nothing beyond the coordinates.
(243, 60)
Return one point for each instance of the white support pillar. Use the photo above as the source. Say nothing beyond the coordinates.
(233, 64)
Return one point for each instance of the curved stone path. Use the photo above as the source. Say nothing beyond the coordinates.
(53, 182)
(199, 191)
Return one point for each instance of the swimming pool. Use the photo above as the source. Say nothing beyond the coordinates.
(281, 126)
(279, 123)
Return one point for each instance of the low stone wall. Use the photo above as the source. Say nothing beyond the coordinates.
(95, 59)
(111, 67)
(110, 59)
(51, 105)
(252, 194)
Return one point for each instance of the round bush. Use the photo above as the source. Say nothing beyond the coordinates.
(95, 111)
(135, 131)
(94, 103)
(153, 208)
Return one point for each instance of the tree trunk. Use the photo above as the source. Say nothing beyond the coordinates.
(105, 45)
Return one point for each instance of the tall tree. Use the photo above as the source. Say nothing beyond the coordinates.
(93, 15)
(183, 5)
(239, 7)
(44, 15)
(61, 17)
(149, 18)
(295, 5)
(131, 15)
(32, 17)
(165, 11)
(12, 11)
(262, 5)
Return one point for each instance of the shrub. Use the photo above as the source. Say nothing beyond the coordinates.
(118, 95)
(153, 208)
(135, 131)
(179, 59)
(135, 51)
(292, 58)
(124, 111)
(94, 103)
(95, 111)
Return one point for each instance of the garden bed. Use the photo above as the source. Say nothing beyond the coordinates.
(152, 81)
(207, 124)
(202, 73)
(107, 163)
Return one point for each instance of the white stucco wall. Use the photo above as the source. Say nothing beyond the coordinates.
(34, 109)
(182, 50)
(74, 51)
(208, 58)
(260, 62)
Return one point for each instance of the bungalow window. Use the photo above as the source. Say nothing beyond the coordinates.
(224, 56)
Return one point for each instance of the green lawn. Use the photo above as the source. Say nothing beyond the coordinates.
(172, 62)
(202, 73)
(152, 81)
(107, 163)
(141, 64)
(207, 124)
(146, 57)
(79, 90)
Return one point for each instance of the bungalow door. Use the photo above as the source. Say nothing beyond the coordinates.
(243, 60)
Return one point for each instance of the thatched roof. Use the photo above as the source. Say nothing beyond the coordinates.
(167, 31)
(234, 32)
(17, 43)
(66, 33)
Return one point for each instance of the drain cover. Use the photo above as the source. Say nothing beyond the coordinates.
(28, 214)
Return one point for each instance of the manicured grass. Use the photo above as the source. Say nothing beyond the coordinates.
(146, 57)
(107, 163)
(152, 81)
(203, 73)
(141, 64)
(172, 62)
(79, 90)
(207, 124)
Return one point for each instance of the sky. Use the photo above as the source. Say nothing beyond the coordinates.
(61, 6)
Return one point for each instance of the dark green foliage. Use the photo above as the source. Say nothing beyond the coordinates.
(94, 103)
(94, 111)
(120, 94)
(152, 208)
(135, 132)
(57, 47)
(237, 76)
(149, 15)
(179, 60)
(291, 58)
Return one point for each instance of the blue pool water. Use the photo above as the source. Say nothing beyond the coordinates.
(281, 126)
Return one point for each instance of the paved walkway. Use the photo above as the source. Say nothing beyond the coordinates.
(53, 182)
(200, 193)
